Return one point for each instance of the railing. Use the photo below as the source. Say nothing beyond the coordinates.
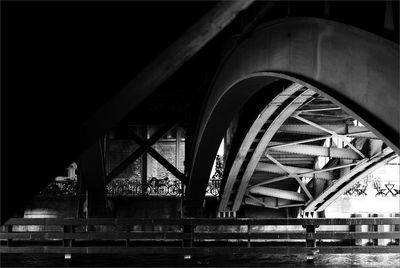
(155, 187)
(383, 189)
(192, 236)
(67, 187)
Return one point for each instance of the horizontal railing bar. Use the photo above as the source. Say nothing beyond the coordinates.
(203, 221)
(97, 235)
(199, 235)
(353, 235)
(279, 235)
(202, 250)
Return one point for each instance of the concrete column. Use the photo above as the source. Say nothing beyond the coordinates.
(144, 162)
(93, 174)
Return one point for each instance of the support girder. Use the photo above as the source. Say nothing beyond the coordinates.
(164, 162)
(272, 168)
(250, 138)
(315, 150)
(270, 202)
(266, 138)
(269, 53)
(91, 164)
(341, 129)
(139, 151)
(363, 168)
(278, 193)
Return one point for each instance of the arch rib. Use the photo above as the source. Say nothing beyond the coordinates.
(363, 168)
(255, 128)
(354, 69)
(266, 138)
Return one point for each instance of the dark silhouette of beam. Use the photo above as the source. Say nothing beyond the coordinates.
(154, 74)
(142, 149)
(159, 158)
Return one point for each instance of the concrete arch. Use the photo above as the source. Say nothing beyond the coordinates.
(353, 68)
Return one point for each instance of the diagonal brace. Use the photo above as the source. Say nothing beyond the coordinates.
(145, 145)
(137, 153)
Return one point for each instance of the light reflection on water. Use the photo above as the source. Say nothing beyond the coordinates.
(360, 260)
(259, 260)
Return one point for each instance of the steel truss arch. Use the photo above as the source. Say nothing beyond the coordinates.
(356, 70)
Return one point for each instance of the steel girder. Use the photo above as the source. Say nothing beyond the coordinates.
(344, 183)
(348, 166)
(254, 130)
(342, 129)
(315, 150)
(338, 61)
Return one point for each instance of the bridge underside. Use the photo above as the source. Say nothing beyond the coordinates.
(326, 90)
(331, 89)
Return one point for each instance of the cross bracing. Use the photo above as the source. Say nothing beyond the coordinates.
(302, 151)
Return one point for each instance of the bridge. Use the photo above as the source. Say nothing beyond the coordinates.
(303, 97)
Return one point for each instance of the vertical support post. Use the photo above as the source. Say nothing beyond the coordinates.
(178, 147)
(128, 230)
(93, 173)
(188, 229)
(81, 211)
(9, 230)
(107, 153)
(248, 236)
(310, 242)
(67, 230)
(383, 228)
(396, 228)
(144, 162)
(358, 228)
(373, 228)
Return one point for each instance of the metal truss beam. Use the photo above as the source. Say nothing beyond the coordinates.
(270, 202)
(278, 193)
(314, 150)
(363, 168)
(341, 129)
(249, 139)
(371, 168)
(138, 152)
(266, 138)
(306, 174)
(295, 171)
(333, 133)
(164, 162)
(302, 185)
